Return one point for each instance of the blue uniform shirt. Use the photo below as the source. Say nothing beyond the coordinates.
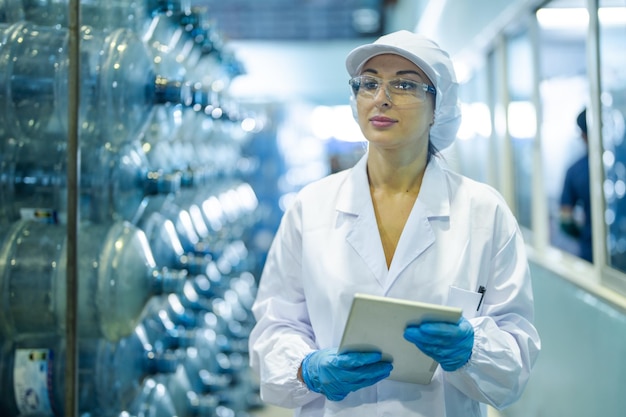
(576, 192)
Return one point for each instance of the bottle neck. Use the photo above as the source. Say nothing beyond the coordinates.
(159, 182)
(167, 91)
(160, 362)
(167, 281)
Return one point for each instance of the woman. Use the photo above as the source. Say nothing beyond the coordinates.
(397, 224)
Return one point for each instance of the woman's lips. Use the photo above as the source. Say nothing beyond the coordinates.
(380, 121)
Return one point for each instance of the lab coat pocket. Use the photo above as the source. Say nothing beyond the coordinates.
(468, 301)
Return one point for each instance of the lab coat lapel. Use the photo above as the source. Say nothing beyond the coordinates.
(355, 205)
(432, 202)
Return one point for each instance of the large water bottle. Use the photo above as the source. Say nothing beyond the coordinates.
(110, 375)
(245, 285)
(208, 214)
(220, 213)
(173, 31)
(201, 361)
(114, 182)
(236, 293)
(230, 337)
(119, 87)
(32, 181)
(157, 139)
(11, 11)
(187, 402)
(116, 270)
(208, 368)
(166, 245)
(225, 377)
(230, 326)
(182, 220)
(213, 219)
(212, 53)
(153, 400)
(234, 258)
(133, 359)
(168, 249)
(176, 313)
(185, 310)
(130, 14)
(164, 326)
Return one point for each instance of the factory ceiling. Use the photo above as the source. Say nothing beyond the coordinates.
(297, 19)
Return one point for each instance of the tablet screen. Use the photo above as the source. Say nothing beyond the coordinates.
(377, 323)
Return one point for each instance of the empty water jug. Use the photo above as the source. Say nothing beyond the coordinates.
(186, 401)
(130, 14)
(116, 271)
(119, 87)
(113, 181)
(153, 400)
(11, 11)
(110, 375)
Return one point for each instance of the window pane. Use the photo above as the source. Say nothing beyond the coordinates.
(521, 122)
(472, 142)
(612, 16)
(498, 134)
(564, 93)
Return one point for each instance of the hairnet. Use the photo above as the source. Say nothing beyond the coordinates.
(437, 65)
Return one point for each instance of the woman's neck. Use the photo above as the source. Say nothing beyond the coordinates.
(395, 172)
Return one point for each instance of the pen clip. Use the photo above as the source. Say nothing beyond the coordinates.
(482, 291)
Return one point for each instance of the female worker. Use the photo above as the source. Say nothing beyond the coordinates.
(397, 224)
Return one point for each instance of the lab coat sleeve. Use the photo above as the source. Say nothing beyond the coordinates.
(506, 344)
(282, 336)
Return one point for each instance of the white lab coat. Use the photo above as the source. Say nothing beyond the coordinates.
(460, 235)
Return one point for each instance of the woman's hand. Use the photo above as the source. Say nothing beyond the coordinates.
(337, 374)
(450, 344)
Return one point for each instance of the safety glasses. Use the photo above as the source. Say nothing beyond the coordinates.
(400, 91)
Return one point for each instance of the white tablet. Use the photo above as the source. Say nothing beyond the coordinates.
(377, 323)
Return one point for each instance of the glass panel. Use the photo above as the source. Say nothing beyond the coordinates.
(521, 121)
(473, 138)
(612, 16)
(564, 93)
(498, 121)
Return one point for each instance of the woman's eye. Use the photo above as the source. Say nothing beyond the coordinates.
(405, 85)
(369, 85)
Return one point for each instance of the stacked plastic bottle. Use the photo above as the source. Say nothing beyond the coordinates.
(120, 90)
(165, 282)
(118, 276)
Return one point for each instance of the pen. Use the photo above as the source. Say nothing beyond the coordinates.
(482, 291)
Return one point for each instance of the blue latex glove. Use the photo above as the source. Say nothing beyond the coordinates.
(337, 374)
(450, 344)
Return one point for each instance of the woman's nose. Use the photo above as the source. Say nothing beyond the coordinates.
(382, 95)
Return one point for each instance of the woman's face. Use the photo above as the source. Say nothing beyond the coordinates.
(398, 125)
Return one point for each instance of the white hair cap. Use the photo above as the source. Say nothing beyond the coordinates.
(437, 65)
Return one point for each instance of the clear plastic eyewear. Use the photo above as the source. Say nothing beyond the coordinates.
(399, 91)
